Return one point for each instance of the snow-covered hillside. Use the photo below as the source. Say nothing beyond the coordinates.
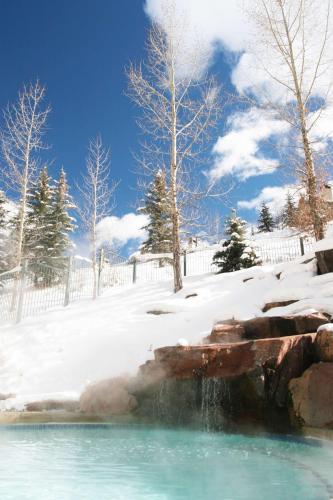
(56, 354)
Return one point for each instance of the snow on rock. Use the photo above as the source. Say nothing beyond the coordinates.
(326, 244)
(182, 343)
(53, 355)
(326, 328)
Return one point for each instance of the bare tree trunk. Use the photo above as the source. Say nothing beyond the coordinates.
(178, 113)
(311, 178)
(24, 195)
(94, 263)
(177, 273)
(96, 191)
(312, 188)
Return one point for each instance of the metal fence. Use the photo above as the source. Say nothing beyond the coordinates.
(274, 250)
(42, 285)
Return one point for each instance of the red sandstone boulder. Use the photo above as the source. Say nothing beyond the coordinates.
(312, 396)
(324, 343)
(108, 397)
(265, 327)
(223, 333)
(281, 326)
(325, 261)
(273, 361)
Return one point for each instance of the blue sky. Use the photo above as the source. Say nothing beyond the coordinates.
(79, 49)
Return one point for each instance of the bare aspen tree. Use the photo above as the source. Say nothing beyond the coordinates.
(96, 190)
(293, 49)
(21, 141)
(179, 106)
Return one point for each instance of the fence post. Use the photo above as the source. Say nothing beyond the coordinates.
(185, 263)
(301, 241)
(23, 274)
(100, 269)
(68, 281)
(134, 270)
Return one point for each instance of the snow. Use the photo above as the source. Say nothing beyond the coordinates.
(326, 328)
(56, 354)
(325, 244)
(183, 343)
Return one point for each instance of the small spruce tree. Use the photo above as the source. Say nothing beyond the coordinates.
(61, 224)
(265, 221)
(236, 253)
(288, 216)
(40, 229)
(159, 227)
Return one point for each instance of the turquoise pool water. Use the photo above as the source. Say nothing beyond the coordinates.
(141, 463)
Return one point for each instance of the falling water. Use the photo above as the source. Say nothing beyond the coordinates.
(215, 399)
(201, 401)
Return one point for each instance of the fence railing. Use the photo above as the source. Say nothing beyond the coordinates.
(40, 285)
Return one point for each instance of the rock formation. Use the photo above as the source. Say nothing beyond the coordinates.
(325, 261)
(312, 396)
(265, 327)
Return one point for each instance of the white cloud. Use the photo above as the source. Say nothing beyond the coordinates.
(209, 24)
(219, 24)
(273, 196)
(238, 152)
(322, 130)
(121, 230)
(223, 24)
(213, 20)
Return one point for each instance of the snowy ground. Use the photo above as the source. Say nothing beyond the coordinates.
(56, 354)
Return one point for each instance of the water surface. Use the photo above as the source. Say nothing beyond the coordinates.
(113, 462)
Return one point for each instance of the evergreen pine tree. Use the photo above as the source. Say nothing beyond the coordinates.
(3, 234)
(265, 221)
(60, 222)
(236, 253)
(289, 212)
(159, 227)
(39, 224)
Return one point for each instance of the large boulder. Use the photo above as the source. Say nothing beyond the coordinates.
(252, 373)
(265, 327)
(108, 397)
(312, 396)
(325, 261)
(324, 343)
(225, 333)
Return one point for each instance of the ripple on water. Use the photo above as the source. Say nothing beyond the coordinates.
(100, 462)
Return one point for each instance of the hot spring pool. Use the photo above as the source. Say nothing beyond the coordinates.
(110, 462)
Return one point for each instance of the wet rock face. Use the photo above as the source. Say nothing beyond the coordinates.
(241, 378)
(265, 327)
(312, 396)
(324, 345)
(108, 397)
(325, 261)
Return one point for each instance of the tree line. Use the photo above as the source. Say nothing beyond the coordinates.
(179, 107)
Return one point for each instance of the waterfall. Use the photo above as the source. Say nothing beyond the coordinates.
(215, 397)
(200, 401)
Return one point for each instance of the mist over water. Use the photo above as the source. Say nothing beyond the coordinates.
(149, 463)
